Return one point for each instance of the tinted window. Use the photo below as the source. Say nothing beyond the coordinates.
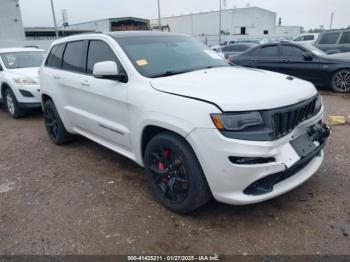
(288, 50)
(98, 52)
(73, 57)
(345, 39)
(309, 37)
(156, 56)
(269, 51)
(329, 38)
(55, 57)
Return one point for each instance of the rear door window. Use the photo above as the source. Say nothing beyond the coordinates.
(329, 38)
(345, 39)
(55, 57)
(73, 57)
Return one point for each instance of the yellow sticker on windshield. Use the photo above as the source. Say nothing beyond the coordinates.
(142, 62)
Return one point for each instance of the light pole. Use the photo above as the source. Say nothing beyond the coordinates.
(54, 18)
(331, 24)
(220, 25)
(159, 22)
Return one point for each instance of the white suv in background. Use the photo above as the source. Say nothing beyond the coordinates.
(19, 79)
(199, 126)
(306, 38)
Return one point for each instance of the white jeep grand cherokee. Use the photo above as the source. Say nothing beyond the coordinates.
(199, 126)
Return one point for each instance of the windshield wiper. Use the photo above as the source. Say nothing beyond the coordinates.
(174, 72)
(171, 73)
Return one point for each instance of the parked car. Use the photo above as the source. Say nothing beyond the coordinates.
(199, 126)
(19, 79)
(225, 43)
(306, 38)
(303, 61)
(333, 42)
(240, 41)
(235, 49)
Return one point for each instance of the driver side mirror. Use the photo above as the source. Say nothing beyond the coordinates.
(107, 70)
(308, 56)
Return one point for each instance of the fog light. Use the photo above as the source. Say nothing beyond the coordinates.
(26, 93)
(251, 160)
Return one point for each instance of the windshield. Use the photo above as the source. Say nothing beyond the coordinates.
(157, 56)
(22, 59)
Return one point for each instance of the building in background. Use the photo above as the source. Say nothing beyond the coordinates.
(113, 24)
(49, 33)
(237, 23)
(288, 30)
(11, 26)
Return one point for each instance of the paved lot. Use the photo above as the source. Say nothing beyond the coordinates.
(85, 199)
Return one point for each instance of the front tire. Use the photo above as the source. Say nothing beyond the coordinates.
(174, 174)
(341, 81)
(12, 105)
(54, 126)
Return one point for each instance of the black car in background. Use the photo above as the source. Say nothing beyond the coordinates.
(299, 60)
(235, 49)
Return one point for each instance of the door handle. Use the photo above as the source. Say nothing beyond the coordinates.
(253, 60)
(85, 83)
(56, 76)
(285, 60)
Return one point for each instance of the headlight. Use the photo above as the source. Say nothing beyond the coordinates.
(26, 81)
(318, 104)
(237, 122)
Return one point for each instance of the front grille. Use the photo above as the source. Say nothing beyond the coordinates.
(278, 122)
(285, 121)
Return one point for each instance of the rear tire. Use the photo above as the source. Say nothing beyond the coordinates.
(12, 105)
(54, 126)
(174, 174)
(341, 81)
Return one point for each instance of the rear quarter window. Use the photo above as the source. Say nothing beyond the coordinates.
(54, 58)
(329, 38)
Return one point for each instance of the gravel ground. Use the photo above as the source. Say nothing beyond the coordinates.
(84, 199)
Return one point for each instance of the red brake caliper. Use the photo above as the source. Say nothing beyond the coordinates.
(161, 166)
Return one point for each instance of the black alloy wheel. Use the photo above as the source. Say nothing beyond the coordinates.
(174, 174)
(54, 126)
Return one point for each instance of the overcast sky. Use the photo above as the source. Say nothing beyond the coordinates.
(307, 13)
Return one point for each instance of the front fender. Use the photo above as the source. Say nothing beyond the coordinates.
(174, 124)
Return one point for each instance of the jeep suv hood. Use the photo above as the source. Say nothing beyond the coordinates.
(237, 88)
